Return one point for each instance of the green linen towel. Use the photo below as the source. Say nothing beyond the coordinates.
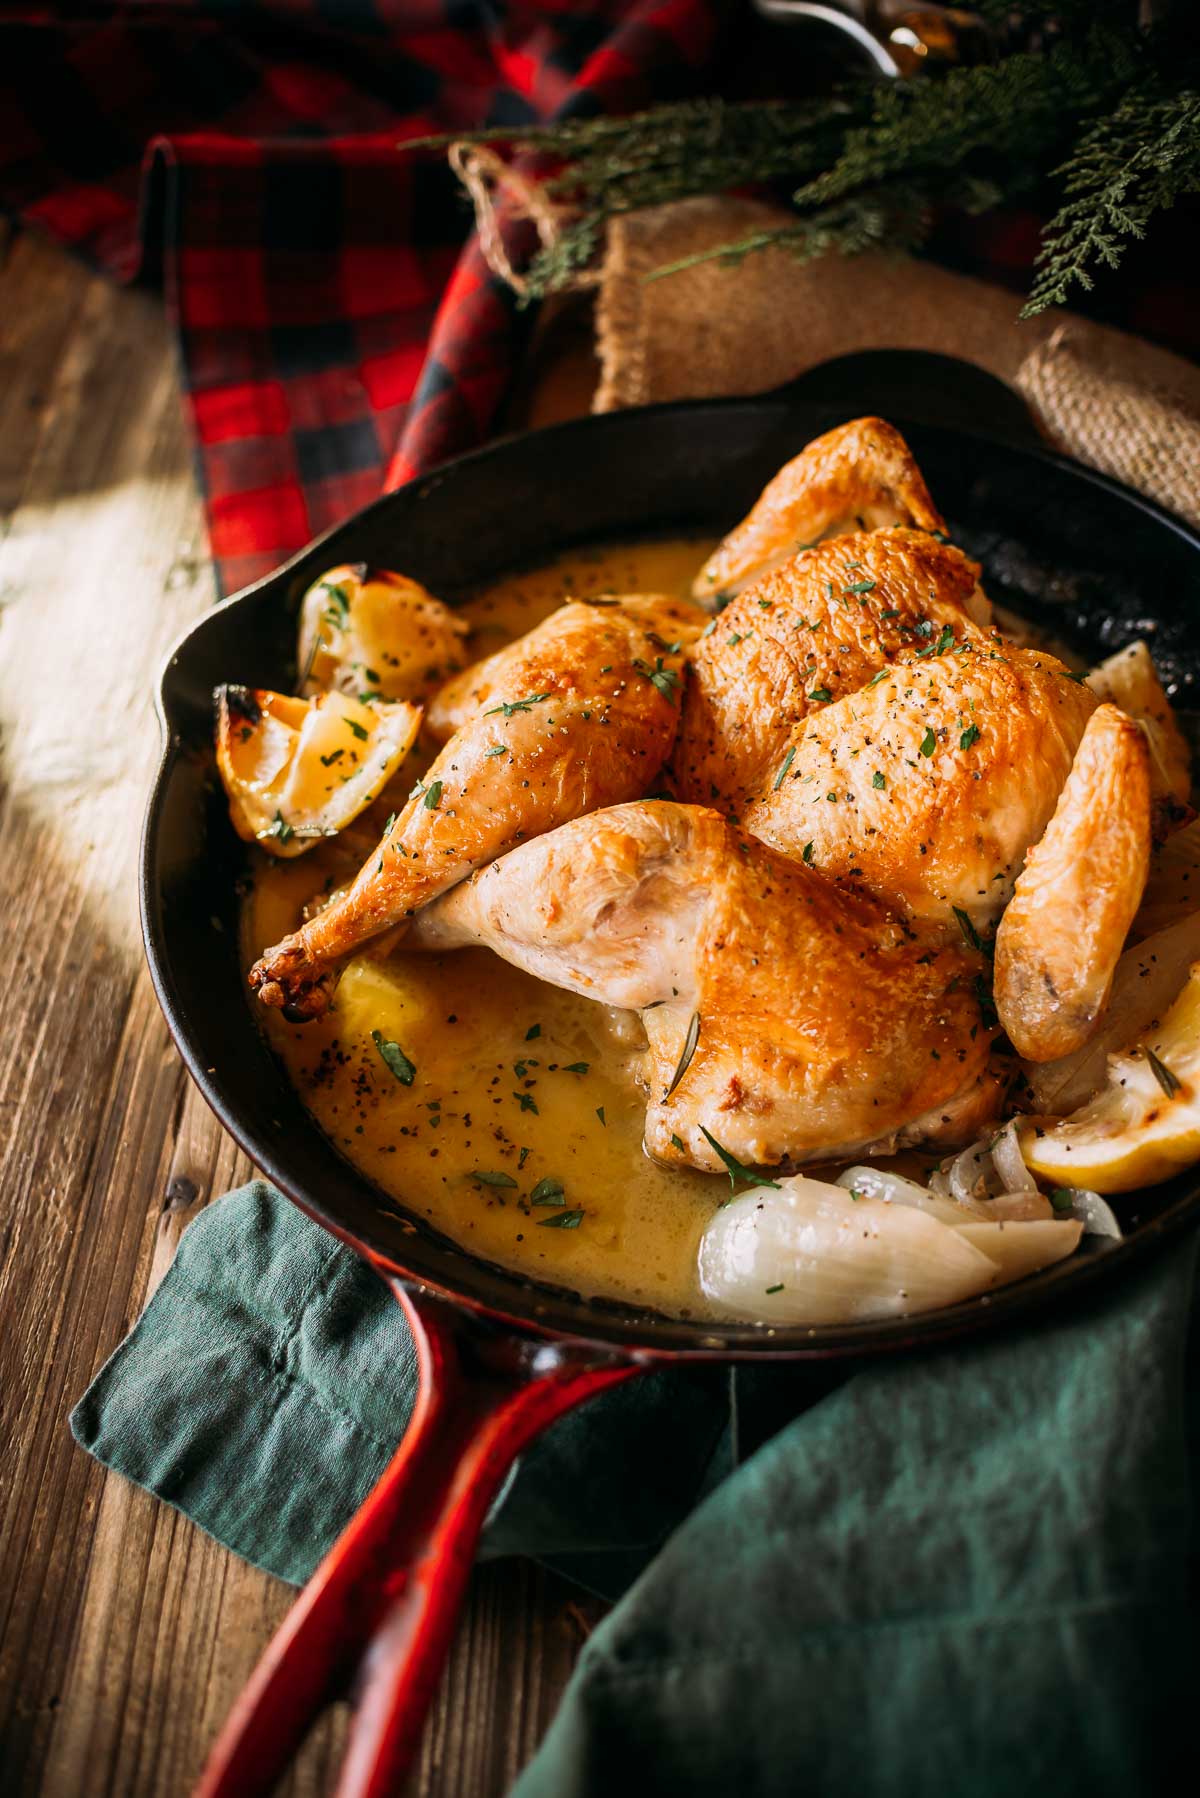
(963, 1571)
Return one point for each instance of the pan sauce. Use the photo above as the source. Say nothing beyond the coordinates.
(513, 1078)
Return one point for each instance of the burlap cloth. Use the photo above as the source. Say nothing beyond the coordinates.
(1111, 400)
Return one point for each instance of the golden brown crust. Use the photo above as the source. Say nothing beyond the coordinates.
(861, 475)
(802, 637)
(1060, 938)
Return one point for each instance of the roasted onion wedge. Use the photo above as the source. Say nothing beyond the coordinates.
(298, 770)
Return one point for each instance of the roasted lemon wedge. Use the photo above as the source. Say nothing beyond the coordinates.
(297, 770)
(1130, 680)
(376, 635)
(1144, 1125)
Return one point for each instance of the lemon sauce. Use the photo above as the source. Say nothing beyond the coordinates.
(519, 1131)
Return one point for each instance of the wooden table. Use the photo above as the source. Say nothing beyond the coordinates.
(125, 1633)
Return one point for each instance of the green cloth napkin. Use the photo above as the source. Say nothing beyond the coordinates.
(961, 1572)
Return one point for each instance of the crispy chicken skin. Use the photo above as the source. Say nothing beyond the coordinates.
(812, 631)
(1064, 928)
(585, 718)
(927, 787)
(861, 476)
(825, 1026)
(535, 657)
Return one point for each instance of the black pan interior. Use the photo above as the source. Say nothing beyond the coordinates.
(1069, 549)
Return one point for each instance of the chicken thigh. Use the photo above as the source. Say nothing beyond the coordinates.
(585, 716)
(860, 477)
(788, 1020)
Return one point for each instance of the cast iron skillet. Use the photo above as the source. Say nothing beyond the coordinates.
(500, 1355)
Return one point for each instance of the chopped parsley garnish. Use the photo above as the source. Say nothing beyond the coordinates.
(770, 1289)
(821, 695)
(928, 742)
(357, 729)
(601, 1116)
(968, 929)
(490, 1179)
(562, 1220)
(284, 831)
(807, 854)
(339, 603)
(499, 749)
(688, 1050)
(433, 793)
(577, 1067)
(394, 1059)
(511, 706)
(1169, 1082)
(665, 679)
(944, 642)
(677, 1142)
(734, 1168)
(859, 587)
(533, 1030)
(527, 1102)
(1062, 1198)
(548, 1192)
(334, 755)
(969, 737)
(1077, 675)
(876, 678)
(878, 780)
(788, 759)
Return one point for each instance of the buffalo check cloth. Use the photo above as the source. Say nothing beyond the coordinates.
(338, 326)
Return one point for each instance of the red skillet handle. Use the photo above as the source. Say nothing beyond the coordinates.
(384, 1601)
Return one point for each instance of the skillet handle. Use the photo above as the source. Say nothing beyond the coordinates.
(383, 1603)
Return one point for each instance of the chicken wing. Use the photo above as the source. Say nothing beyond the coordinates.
(815, 629)
(861, 476)
(928, 786)
(586, 718)
(788, 1020)
(1063, 931)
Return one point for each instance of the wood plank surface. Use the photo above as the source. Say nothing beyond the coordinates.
(125, 1633)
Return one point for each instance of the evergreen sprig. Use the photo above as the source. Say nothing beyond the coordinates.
(1077, 94)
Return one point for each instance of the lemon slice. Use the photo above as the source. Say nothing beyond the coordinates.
(376, 635)
(297, 770)
(1144, 1125)
(1130, 680)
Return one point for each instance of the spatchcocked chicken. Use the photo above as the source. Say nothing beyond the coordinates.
(812, 959)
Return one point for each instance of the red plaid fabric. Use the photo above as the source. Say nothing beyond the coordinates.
(340, 331)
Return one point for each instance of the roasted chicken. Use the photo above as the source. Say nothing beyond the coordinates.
(586, 718)
(788, 1020)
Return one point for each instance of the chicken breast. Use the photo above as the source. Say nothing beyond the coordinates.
(859, 477)
(586, 718)
(1063, 931)
(802, 637)
(928, 786)
(788, 1020)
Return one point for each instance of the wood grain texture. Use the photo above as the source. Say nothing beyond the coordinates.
(125, 1633)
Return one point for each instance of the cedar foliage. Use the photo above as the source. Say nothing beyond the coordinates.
(1077, 97)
